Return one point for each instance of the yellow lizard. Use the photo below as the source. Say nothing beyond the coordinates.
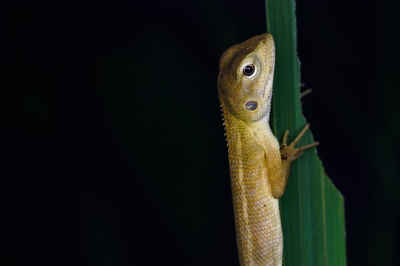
(259, 167)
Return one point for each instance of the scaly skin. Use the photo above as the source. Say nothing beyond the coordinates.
(259, 166)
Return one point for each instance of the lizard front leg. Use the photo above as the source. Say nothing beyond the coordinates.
(279, 162)
(289, 153)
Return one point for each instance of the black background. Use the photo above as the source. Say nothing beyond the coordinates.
(111, 140)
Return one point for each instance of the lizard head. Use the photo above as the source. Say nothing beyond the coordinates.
(245, 78)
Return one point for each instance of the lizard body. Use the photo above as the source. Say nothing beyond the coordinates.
(259, 167)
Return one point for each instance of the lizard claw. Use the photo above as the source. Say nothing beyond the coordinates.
(291, 152)
(299, 136)
(285, 137)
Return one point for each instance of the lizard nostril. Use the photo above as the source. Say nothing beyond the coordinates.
(251, 105)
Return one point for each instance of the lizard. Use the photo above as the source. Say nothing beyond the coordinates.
(259, 165)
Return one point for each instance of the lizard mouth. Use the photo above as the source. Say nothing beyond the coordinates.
(252, 105)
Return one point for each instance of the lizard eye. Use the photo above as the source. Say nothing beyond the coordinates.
(248, 70)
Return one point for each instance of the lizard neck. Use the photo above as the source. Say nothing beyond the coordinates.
(238, 131)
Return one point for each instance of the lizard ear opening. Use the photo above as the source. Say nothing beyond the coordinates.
(252, 105)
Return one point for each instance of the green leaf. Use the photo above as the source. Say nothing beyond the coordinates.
(312, 208)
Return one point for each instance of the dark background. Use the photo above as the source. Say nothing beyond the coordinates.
(111, 140)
